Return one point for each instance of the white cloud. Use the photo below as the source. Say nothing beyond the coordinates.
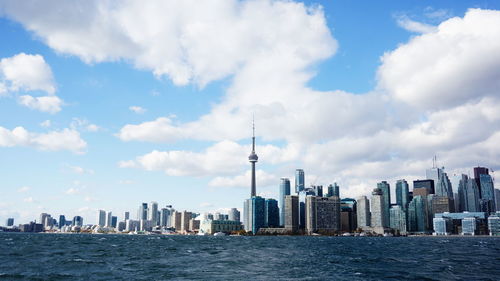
(72, 191)
(84, 125)
(127, 164)
(24, 189)
(29, 200)
(66, 139)
(464, 63)
(50, 104)
(243, 180)
(137, 109)
(414, 26)
(80, 170)
(46, 124)
(24, 72)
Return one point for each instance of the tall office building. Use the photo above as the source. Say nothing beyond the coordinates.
(254, 210)
(478, 171)
(299, 180)
(402, 194)
(10, 222)
(284, 191)
(427, 184)
(62, 221)
(333, 190)
(176, 220)
(126, 216)
(43, 219)
(77, 221)
(348, 219)
(418, 215)
(322, 214)
(142, 213)
(461, 181)
(253, 158)
(234, 215)
(487, 193)
(185, 217)
(378, 219)
(101, 218)
(109, 219)
(114, 221)
(271, 216)
(363, 212)
(292, 212)
(386, 194)
(472, 196)
(318, 190)
(442, 184)
(153, 214)
(398, 219)
(165, 216)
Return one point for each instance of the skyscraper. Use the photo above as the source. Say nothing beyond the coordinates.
(284, 191)
(363, 212)
(442, 184)
(497, 199)
(127, 216)
(255, 214)
(428, 184)
(142, 213)
(478, 171)
(10, 222)
(165, 219)
(77, 221)
(417, 214)
(109, 219)
(62, 221)
(153, 214)
(322, 213)
(377, 210)
(386, 194)
(487, 193)
(299, 180)
(333, 190)
(234, 215)
(472, 196)
(271, 211)
(253, 158)
(402, 194)
(292, 212)
(398, 219)
(101, 218)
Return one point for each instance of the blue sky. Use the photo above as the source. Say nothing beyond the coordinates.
(154, 103)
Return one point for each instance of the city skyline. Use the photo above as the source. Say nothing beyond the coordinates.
(158, 110)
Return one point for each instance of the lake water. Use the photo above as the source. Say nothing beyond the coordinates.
(148, 257)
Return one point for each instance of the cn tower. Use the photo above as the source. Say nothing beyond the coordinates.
(253, 158)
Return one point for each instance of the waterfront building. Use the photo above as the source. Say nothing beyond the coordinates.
(101, 218)
(284, 191)
(142, 213)
(402, 194)
(176, 220)
(442, 184)
(214, 226)
(494, 224)
(234, 215)
(333, 190)
(78, 221)
(10, 222)
(271, 217)
(132, 225)
(363, 212)
(418, 215)
(442, 226)
(185, 217)
(427, 184)
(109, 217)
(126, 216)
(377, 210)
(153, 213)
(322, 214)
(469, 226)
(194, 225)
(398, 219)
(461, 183)
(386, 196)
(299, 180)
(165, 215)
(441, 204)
(487, 193)
(478, 171)
(302, 205)
(121, 226)
(348, 217)
(472, 196)
(114, 221)
(62, 221)
(292, 212)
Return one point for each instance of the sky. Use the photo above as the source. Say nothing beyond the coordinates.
(108, 104)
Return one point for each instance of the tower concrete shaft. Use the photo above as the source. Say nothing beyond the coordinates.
(253, 158)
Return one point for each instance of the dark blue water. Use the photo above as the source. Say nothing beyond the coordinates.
(127, 257)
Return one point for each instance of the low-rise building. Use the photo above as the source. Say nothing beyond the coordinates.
(214, 226)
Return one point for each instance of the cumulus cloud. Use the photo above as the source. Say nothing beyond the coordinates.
(24, 72)
(50, 104)
(84, 125)
(414, 26)
(458, 63)
(66, 139)
(46, 124)
(243, 180)
(137, 109)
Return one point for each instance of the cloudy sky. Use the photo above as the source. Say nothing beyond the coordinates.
(107, 104)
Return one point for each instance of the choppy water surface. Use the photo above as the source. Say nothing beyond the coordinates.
(127, 257)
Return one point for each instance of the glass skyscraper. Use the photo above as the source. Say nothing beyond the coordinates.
(402, 194)
(284, 191)
(299, 180)
(487, 192)
(386, 201)
(333, 190)
(271, 216)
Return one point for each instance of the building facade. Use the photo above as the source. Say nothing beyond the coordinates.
(284, 191)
